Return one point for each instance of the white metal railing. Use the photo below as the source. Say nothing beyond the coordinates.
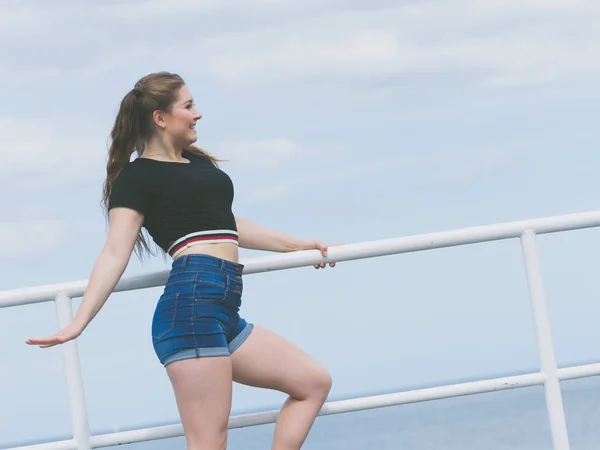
(526, 231)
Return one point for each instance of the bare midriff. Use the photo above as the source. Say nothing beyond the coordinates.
(225, 250)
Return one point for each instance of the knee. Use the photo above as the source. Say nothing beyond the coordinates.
(326, 382)
(318, 384)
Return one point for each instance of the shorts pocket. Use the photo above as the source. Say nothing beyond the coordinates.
(163, 321)
(210, 287)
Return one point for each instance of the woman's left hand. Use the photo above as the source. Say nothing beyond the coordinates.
(311, 245)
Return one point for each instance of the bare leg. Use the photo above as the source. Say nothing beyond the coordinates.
(266, 360)
(203, 393)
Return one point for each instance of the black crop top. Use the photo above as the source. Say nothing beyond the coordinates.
(182, 203)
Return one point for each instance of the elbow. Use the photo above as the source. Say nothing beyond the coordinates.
(118, 254)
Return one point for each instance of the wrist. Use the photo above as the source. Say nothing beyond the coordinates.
(80, 323)
(297, 244)
(304, 244)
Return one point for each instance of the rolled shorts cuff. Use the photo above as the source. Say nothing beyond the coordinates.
(206, 352)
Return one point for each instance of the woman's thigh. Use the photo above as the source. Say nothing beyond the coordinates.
(203, 389)
(267, 360)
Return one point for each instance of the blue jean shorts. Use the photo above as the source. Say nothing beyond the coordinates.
(197, 314)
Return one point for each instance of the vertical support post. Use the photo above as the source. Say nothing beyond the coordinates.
(79, 420)
(554, 403)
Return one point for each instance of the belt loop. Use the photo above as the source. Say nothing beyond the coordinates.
(223, 264)
(184, 260)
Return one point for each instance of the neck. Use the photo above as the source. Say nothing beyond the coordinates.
(159, 149)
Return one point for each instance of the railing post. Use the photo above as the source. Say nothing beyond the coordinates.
(554, 403)
(81, 430)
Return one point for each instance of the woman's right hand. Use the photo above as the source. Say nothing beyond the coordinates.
(71, 331)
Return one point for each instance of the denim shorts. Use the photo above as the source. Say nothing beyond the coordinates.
(197, 314)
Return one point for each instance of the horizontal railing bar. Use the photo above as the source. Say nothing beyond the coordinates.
(577, 372)
(342, 406)
(348, 252)
(134, 436)
(339, 407)
(56, 445)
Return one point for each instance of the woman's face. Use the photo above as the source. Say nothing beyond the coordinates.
(180, 122)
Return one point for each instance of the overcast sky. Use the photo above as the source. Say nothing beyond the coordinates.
(340, 122)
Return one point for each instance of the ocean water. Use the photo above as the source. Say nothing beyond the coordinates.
(508, 420)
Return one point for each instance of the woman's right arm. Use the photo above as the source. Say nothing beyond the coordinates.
(124, 228)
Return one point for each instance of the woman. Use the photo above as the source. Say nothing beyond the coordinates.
(178, 194)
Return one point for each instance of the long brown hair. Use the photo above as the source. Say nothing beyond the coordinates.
(134, 127)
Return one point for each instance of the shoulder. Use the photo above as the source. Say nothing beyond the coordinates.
(131, 175)
(132, 187)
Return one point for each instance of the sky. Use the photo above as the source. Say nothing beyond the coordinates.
(339, 122)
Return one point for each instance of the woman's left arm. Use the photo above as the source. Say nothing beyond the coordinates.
(257, 237)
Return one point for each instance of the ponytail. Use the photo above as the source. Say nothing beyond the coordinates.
(126, 138)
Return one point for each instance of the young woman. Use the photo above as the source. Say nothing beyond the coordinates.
(178, 194)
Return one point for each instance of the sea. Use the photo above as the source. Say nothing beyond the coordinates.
(505, 420)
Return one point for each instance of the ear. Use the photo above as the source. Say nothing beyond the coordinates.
(159, 118)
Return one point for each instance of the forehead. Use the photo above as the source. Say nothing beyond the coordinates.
(184, 95)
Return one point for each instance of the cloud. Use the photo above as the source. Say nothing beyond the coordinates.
(440, 171)
(151, 10)
(30, 233)
(21, 238)
(275, 152)
(485, 39)
(38, 153)
(267, 153)
(239, 44)
(319, 176)
(451, 170)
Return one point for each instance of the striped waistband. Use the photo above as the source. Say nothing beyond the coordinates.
(202, 237)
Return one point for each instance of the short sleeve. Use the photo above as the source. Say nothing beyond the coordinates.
(130, 190)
